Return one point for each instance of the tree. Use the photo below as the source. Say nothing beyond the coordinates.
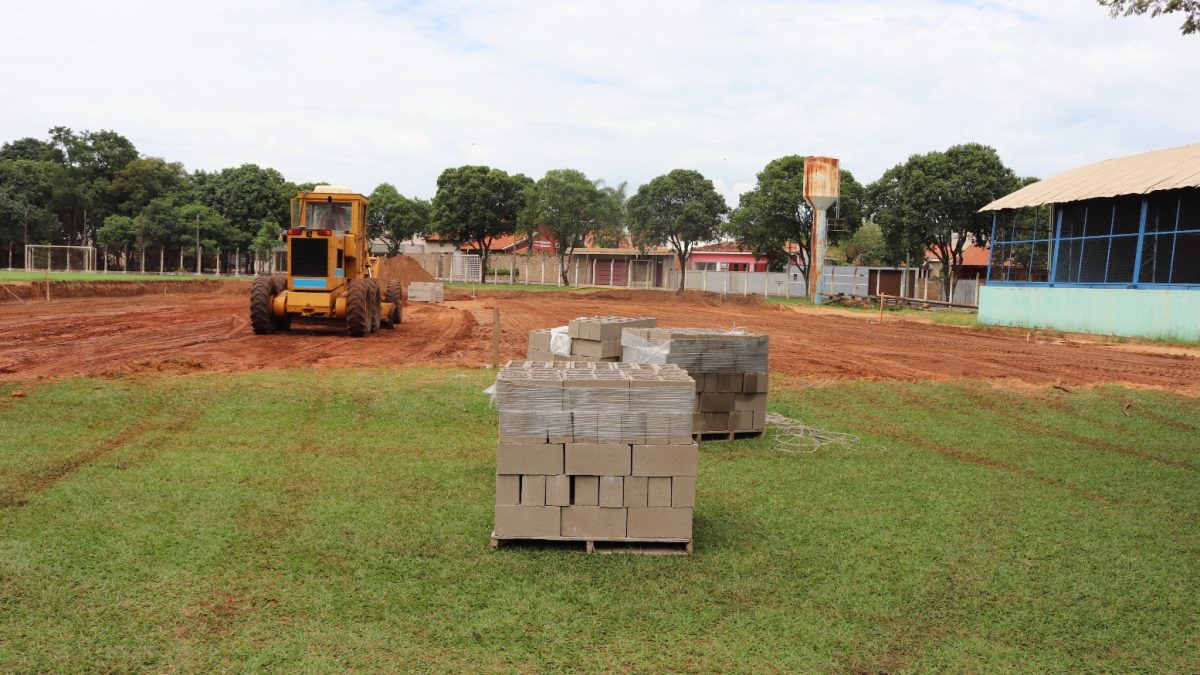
(679, 208)
(31, 149)
(143, 180)
(120, 233)
(215, 230)
(866, 245)
(610, 228)
(1189, 8)
(931, 202)
(265, 241)
(26, 195)
(395, 218)
(92, 160)
(568, 207)
(477, 204)
(774, 221)
(245, 196)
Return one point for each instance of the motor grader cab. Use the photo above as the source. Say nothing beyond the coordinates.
(330, 273)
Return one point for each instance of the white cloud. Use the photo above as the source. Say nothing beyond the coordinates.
(365, 92)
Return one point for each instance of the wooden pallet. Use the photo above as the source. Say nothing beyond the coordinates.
(727, 435)
(601, 546)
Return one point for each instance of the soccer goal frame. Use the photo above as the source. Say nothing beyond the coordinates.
(59, 258)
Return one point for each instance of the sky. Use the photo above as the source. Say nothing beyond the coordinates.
(362, 92)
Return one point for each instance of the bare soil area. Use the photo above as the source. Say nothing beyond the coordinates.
(210, 332)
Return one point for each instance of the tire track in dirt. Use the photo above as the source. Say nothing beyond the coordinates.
(913, 439)
(99, 336)
(29, 485)
(1022, 424)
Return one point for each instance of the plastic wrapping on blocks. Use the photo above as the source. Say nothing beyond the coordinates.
(697, 350)
(594, 402)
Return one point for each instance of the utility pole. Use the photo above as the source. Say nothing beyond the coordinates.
(198, 243)
(25, 224)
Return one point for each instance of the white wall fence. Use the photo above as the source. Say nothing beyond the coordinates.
(770, 284)
(542, 269)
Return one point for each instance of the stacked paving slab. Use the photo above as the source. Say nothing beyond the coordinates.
(729, 367)
(425, 291)
(593, 338)
(595, 451)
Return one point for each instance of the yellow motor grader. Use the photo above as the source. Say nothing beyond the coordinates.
(330, 273)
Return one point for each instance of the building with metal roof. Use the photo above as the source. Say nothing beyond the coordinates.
(1111, 247)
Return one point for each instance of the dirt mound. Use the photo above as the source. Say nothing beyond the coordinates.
(36, 290)
(403, 268)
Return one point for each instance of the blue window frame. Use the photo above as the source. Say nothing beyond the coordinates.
(1132, 241)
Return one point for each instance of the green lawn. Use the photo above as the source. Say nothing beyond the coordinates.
(325, 520)
(940, 316)
(22, 275)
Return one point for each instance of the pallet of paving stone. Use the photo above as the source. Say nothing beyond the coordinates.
(653, 547)
(595, 451)
(426, 291)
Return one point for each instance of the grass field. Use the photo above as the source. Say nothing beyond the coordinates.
(321, 520)
(22, 275)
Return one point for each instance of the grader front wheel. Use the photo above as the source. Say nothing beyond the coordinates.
(261, 294)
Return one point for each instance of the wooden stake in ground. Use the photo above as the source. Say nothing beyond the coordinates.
(48, 283)
(495, 338)
(881, 297)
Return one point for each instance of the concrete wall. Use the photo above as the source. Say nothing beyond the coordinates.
(1108, 311)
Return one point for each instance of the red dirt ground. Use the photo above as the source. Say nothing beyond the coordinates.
(211, 332)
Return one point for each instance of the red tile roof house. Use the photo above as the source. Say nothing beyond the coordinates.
(974, 262)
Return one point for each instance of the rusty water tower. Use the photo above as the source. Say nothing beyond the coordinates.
(822, 183)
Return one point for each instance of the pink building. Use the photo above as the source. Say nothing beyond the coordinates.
(725, 256)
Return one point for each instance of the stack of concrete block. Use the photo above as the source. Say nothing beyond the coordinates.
(425, 291)
(594, 338)
(598, 338)
(539, 347)
(729, 367)
(595, 451)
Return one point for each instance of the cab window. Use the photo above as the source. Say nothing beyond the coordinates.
(328, 216)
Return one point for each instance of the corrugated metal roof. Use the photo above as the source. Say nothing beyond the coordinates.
(1132, 175)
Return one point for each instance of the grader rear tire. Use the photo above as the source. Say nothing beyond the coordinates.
(358, 309)
(393, 296)
(261, 294)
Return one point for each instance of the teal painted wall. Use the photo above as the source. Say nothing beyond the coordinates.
(1108, 311)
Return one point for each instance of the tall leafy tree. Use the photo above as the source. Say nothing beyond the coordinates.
(866, 246)
(26, 203)
(92, 160)
(215, 231)
(31, 149)
(1189, 8)
(395, 218)
(774, 221)
(143, 180)
(477, 204)
(680, 209)
(265, 241)
(567, 207)
(612, 226)
(119, 233)
(931, 202)
(245, 196)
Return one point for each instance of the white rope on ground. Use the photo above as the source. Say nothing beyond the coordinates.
(797, 438)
